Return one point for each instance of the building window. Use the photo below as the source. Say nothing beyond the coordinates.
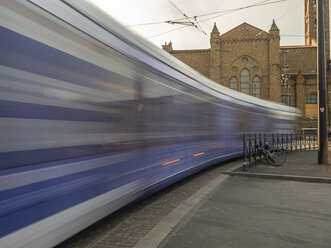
(234, 69)
(286, 99)
(256, 87)
(255, 68)
(311, 98)
(244, 81)
(234, 83)
(244, 60)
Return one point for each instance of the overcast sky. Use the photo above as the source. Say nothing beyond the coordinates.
(288, 14)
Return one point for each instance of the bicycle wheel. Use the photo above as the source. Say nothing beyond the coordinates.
(276, 158)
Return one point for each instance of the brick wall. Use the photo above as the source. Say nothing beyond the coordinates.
(197, 59)
(299, 58)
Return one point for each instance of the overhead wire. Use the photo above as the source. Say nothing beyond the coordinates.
(196, 20)
(290, 10)
(178, 28)
(145, 24)
(265, 2)
(189, 22)
(225, 12)
(283, 15)
(186, 17)
(166, 32)
(242, 8)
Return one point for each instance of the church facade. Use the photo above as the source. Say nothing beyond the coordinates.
(250, 60)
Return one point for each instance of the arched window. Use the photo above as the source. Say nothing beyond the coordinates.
(234, 83)
(244, 81)
(256, 87)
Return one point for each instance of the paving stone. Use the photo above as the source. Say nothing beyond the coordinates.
(126, 227)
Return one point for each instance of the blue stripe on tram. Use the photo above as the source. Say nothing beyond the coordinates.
(13, 109)
(20, 52)
(30, 157)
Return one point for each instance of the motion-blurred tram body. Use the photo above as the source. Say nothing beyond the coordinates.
(93, 117)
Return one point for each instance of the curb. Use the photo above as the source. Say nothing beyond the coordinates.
(280, 177)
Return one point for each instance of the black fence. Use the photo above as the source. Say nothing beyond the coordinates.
(291, 142)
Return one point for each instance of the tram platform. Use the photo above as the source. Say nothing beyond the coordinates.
(219, 207)
(300, 166)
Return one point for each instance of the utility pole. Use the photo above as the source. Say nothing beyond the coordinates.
(321, 63)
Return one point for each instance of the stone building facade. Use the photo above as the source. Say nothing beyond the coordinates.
(250, 60)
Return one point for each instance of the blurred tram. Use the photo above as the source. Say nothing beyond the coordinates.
(93, 118)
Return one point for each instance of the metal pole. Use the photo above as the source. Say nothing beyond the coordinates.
(260, 153)
(255, 150)
(282, 141)
(296, 142)
(244, 152)
(250, 150)
(291, 142)
(309, 142)
(321, 62)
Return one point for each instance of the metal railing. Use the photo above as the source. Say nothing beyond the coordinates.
(291, 142)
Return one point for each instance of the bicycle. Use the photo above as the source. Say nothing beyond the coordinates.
(275, 157)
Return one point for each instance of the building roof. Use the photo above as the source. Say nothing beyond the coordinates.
(244, 31)
(297, 47)
(190, 51)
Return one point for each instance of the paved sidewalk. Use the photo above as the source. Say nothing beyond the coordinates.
(246, 212)
(299, 166)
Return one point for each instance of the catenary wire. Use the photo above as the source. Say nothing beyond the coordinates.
(265, 2)
(213, 13)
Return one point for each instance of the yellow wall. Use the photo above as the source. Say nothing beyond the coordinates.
(311, 110)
